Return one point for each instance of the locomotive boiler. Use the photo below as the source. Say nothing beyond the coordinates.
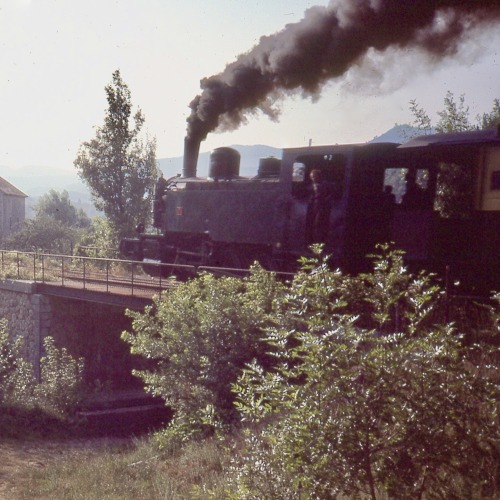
(437, 197)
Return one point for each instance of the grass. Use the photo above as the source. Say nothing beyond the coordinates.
(134, 469)
(126, 470)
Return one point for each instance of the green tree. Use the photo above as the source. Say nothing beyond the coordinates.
(61, 385)
(421, 120)
(118, 166)
(44, 234)
(58, 206)
(491, 119)
(101, 240)
(201, 335)
(57, 227)
(455, 116)
(400, 409)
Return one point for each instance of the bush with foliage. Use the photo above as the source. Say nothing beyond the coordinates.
(58, 207)
(201, 335)
(44, 234)
(17, 379)
(101, 238)
(56, 228)
(60, 387)
(358, 406)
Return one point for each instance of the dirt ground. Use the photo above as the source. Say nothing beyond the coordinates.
(19, 457)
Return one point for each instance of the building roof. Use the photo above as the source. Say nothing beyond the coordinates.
(9, 189)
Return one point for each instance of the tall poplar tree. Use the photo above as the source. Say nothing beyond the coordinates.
(118, 166)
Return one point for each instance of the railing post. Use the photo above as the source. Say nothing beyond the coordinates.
(84, 276)
(132, 280)
(107, 276)
(18, 274)
(34, 267)
(62, 270)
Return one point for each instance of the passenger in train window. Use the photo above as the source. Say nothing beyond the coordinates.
(320, 205)
(415, 197)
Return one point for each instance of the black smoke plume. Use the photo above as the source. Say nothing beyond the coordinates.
(305, 55)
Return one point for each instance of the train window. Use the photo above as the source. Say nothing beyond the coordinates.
(410, 187)
(490, 195)
(332, 167)
(422, 178)
(454, 190)
(394, 178)
(299, 172)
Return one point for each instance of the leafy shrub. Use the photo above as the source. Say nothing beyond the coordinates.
(7, 356)
(17, 381)
(201, 335)
(102, 237)
(401, 407)
(60, 388)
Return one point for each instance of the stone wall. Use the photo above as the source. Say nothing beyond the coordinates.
(86, 329)
(28, 315)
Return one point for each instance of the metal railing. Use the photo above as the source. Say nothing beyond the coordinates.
(88, 273)
(128, 277)
(124, 277)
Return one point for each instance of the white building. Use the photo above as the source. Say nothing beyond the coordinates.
(12, 208)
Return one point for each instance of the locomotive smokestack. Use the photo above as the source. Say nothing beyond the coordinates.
(191, 152)
(305, 56)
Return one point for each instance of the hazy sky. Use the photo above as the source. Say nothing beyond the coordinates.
(56, 56)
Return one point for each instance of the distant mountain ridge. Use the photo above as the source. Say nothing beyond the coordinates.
(36, 181)
(399, 133)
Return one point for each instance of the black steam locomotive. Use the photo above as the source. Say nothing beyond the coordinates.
(436, 197)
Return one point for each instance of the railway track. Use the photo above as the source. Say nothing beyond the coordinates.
(146, 282)
(138, 286)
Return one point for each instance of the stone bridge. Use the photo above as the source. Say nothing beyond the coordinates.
(87, 323)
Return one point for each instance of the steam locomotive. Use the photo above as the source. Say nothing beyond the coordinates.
(437, 197)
